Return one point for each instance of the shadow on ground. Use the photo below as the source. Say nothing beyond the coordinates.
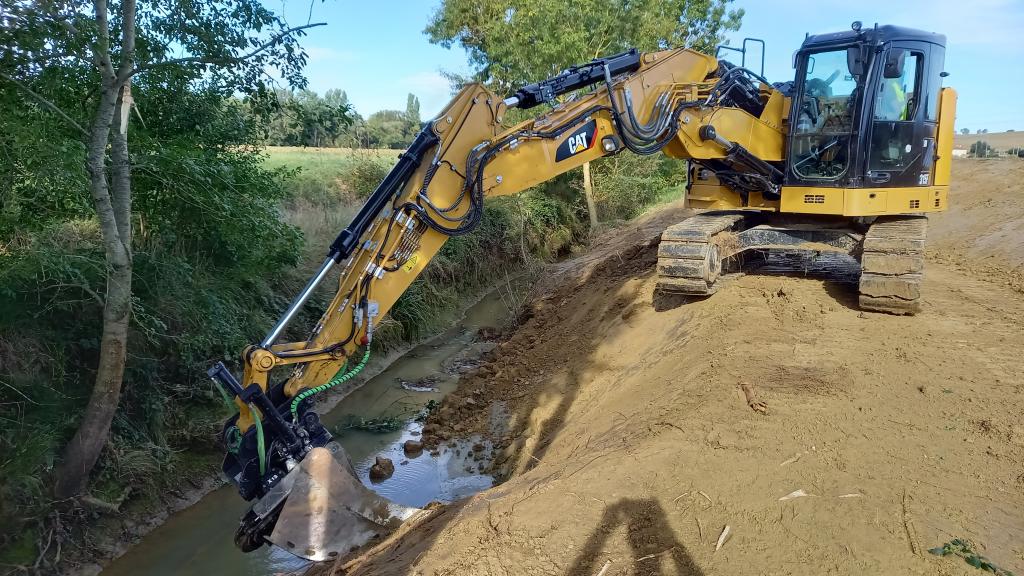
(651, 540)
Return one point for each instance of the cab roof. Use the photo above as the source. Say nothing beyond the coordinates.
(878, 35)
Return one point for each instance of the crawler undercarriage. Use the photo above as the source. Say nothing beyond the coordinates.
(695, 254)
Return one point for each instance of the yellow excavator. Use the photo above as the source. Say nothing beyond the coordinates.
(849, 157)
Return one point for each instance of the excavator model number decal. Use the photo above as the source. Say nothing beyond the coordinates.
(578, 141)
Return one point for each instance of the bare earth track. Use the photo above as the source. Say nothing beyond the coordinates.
(628, 445)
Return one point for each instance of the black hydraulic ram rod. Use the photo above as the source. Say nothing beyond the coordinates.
(348, 239)
(574, 78)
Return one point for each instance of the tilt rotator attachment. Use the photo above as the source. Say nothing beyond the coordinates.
(308, 498)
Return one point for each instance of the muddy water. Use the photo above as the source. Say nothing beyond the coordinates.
(199, 540)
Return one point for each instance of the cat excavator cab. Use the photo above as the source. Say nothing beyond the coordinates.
(848, 157)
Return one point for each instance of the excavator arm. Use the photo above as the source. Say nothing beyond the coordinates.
(679, 102)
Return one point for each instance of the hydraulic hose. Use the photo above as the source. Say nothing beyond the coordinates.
(261, 449)
(340, 377)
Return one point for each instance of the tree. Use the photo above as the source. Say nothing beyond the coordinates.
(322, 120)
(981, 149)
(965, 131)
(512, 43)
(387, 129)
(522, 41)
(231, 41)
(412, 115)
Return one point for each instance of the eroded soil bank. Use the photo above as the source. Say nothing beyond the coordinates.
(629, 446)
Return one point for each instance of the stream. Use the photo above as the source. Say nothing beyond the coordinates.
(199, 539)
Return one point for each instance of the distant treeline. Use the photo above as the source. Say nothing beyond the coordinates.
(305, 118)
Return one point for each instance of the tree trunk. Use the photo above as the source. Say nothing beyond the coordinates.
(113, 208)
(588, 191)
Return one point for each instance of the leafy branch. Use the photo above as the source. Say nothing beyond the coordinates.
(276, 39)
(965, 550)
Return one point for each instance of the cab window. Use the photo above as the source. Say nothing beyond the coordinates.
(894, 146)
(897, 97)
(824, 121)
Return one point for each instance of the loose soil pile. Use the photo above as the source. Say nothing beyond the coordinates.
(629, 445)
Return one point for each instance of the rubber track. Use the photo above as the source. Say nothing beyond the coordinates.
(892, 264)
(689, 261)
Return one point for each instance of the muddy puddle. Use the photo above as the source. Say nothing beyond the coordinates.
(199, 540)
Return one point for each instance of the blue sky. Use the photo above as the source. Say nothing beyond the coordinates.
(376, 50)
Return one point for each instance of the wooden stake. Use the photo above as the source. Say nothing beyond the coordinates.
(588, 191)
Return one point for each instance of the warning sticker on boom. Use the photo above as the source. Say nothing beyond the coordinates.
(411, 262)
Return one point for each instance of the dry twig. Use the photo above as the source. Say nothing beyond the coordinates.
(722, 537)
(752, 401)
(908, 525)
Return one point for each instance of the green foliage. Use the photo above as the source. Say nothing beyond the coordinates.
(380, 425)
(304, 118)
(332, 177)
(365, 172)
(625, 185)
(965, 550)
(981, 149)
(510, 43)
(211, 263)
(392, 128)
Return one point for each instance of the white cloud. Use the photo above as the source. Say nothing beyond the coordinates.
(433, 90)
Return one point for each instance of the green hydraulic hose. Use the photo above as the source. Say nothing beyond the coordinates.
(339, 377)
(260, 448)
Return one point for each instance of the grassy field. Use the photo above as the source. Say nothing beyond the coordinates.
(325, 174)
(1001, 141)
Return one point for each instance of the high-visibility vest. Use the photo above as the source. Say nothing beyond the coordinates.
(900, 97)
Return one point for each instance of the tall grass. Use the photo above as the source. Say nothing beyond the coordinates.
(330, 174)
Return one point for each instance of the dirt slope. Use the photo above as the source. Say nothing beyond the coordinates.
(629, 444)
(983, 231)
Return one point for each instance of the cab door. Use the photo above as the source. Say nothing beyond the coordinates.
(904, 113)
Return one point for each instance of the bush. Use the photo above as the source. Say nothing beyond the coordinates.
(981, 149)
(625, 185)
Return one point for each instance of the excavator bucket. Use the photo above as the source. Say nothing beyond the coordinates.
(327, 511)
